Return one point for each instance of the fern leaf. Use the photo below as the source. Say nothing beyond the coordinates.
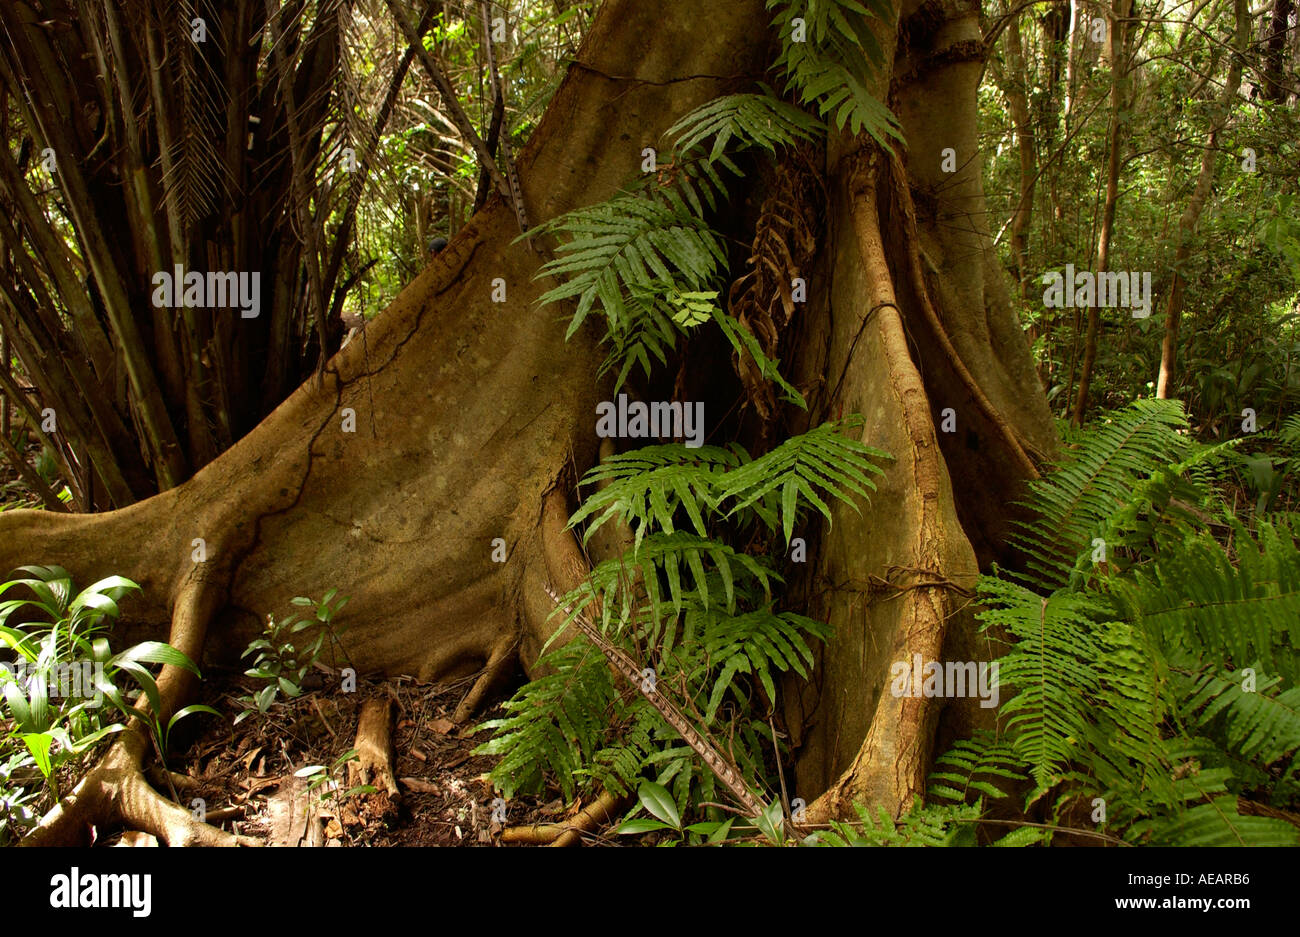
(822, 460)
(761, 120)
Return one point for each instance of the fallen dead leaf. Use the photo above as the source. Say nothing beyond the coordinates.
(419, 785)
(456, 761)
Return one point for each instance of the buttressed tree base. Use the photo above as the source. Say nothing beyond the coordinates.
(474, 419)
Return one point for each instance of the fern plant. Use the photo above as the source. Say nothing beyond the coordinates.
(1155, 653)
(643, 255)
(922, 825)
(828, 56)
(701, 615)
(749, 120)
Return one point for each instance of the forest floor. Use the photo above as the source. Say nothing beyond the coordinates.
(248, 778)
(247, 775)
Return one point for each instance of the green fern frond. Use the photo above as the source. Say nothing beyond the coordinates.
(628, 242)
(821, 462)
(1219, 824)
(921, 825)
(761, 642)
(981, 765)
(1289, 433)
(832, 66)
(555, 724)
(1258, 726)
(746, 344)
(1129, 685)
(1060, 689)
(1081, 496)
(619, 590)
(1197, 598)
(761, 120)
(647, 332)
(651, 485)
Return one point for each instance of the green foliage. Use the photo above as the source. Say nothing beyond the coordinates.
(328, 778)
(284, 664)
(658, 802)
(952, 825)
(697, 611)
(648, 258)
(822, 460)
(52, 691)
(649, 486)
(642, 578)
(1078, 502)
(1160, 678)
(828, 58)
(131, 661)
(1237, 345)
(621, 251)
(575, 723)
(761, 120)
(640, 258)
(684, 600)
(744, 342)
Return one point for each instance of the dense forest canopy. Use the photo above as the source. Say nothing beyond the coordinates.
(786, 421)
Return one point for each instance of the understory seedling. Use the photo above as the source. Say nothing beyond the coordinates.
(284, 664)
(328, 776)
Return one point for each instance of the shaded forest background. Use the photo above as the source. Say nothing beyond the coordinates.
(1153, 154)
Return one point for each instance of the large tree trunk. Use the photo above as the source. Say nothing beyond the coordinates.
(471, 416)
(919, 324)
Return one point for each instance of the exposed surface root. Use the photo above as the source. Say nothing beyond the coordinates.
(604, 809)
(1015, 446)
(115, 792)
(374, 745)
(498, 668)
(889, 767)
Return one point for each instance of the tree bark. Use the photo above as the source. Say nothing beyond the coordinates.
(472, 417)
(919, 324)
(1014, 84)
(1276, 84)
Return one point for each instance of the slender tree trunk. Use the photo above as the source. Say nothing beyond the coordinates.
(1071, 63)
(1195, 204)
(1119, 59)
(1014, 89)
(1276, 84)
